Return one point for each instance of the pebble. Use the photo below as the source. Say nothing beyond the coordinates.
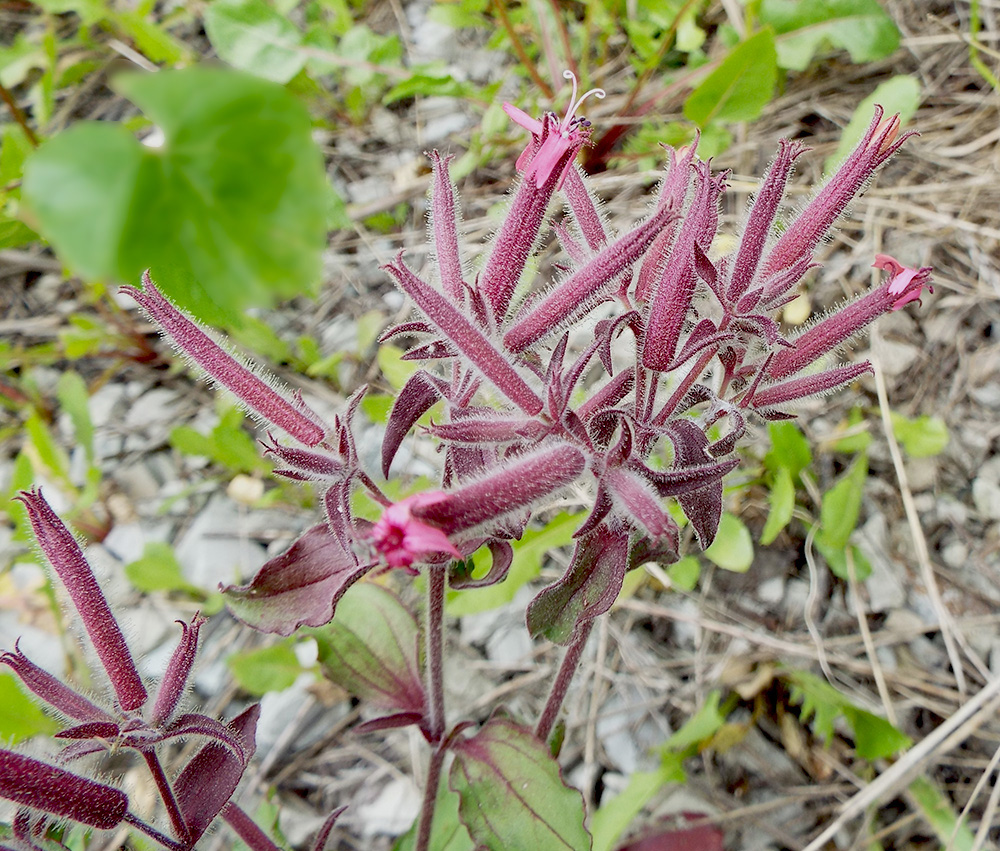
(392, 811)
(955, 554)
(885, 587)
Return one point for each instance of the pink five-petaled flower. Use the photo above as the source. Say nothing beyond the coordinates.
(402, 539)
(557, 142)
(901, 280)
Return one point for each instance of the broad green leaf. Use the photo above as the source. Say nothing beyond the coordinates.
(613, 818)
(511, 793)
(529, 553)
(940, 815)
(789, 448)
(371, 647)
(684, 573)
(396, 370)
(836, 559)
(740, 88)
(272, 668)
(901, 94)
(782, 499)
(252, 36)
(700, 727)
(229, 212)
(429, 81)
(861, 27)
(842, 505)
(922, 437)
(20, 716)
(75, 401)
(447, 831)
(732, 548)
(43, 448)
(158, 570)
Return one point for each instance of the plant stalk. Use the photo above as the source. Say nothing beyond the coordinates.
(167, 795)
(567, 668)
(246, 828)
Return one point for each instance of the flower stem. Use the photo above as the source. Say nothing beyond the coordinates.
(434, 645)
(567, 668)
(430, 799)
(246, 828)
(434, 638)
(166, 795)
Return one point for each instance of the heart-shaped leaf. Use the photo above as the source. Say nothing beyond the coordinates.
(230, 212)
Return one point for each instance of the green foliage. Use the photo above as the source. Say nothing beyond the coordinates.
(613, 818)
(922, 437)
(732, 548)
(227, 444)
(901, 94)
(950, 828)
(157, 569)
(20, 716)
(789, 448)
(529, 555)
(782, 498)
(229, 212)
(684, 573)
(492, 770)
(805, 27)
(252, 36)
(740, 88)
(874, 737)
(447, 832)
(839, 513)
(273, 668)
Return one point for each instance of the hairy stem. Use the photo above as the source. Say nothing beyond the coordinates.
(166, 795)
(434, 639)
(430, 799)
(567, 669)
(18, 115)
(153, 833)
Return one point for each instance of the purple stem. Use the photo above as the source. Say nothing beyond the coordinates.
(567, 669)
(154, 834)
(430, 799)
(435, 650)
(167, 795)
(246, 828)
(434, 639)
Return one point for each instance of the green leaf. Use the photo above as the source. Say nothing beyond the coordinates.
(272, 668)
(158, 570)
(861, 27)
(782, 498)
(252, 36)
(700, 727)
(44, 449)
(396, 370)
(842, 505)
(732, 548)
(20, 716)
(511, 793)
(529, 554)
(922, 437)
(428, 82)
(874, 737)
(952, 832)
(370, 648)
(613, 818)
(900, 94)
(75, 401)
(740, 88)
(789, 448)
(230, 212)
(447, 831)
(860, 440)
(684, 573)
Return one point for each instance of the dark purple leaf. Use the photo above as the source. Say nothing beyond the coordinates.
(301, 587)
(208, 781)
(416, 398)
(55, 693)
(105, 730)
(503, 556)
(703, 507)
(387, 722)
(178, 669)
(705, 837)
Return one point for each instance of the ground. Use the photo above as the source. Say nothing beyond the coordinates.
(914, 643)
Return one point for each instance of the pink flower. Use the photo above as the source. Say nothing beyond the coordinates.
(902, 281)
(402, 539)
(556, 141)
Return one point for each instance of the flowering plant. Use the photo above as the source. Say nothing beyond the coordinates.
(681, 348)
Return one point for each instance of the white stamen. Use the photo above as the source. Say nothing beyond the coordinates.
(574, 103)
